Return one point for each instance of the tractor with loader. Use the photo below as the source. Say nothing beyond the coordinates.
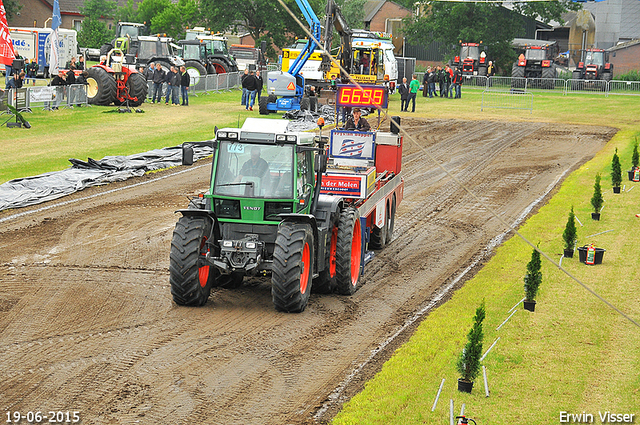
(284, 206)
(117, 83)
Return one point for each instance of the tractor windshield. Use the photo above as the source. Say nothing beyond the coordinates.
(193, 51)
(595, 58)
(535, 54)
(252, 170)
(472, 52)
(219, 47)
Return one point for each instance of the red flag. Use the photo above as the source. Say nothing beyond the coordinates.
(6, 45)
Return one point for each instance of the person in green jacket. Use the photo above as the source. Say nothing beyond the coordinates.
(414, 86)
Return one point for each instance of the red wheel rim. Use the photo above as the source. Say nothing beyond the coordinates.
(219, 69)
(203, 272)
(356, 246)
(304, 276)
(332, 252)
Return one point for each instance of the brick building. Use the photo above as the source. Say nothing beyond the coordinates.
(386, 16)
(35, 13)
(625, 57)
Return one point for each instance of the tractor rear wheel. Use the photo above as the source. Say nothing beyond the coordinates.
(348, 252)
(101, 87)
(219, 66)
(304, 104)
(105, 49)
(292, 270)
(548, 76)
(517, 76)
(138, 89)
(262, 105)
(326, 281)
(195, 71)
(190, 280)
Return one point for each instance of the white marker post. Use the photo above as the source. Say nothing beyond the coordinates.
(486, 384)
(435, 402)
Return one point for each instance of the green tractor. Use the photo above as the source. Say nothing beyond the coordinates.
(263, 215)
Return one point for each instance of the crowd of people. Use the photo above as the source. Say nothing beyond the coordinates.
(251, 88)
(177, 82)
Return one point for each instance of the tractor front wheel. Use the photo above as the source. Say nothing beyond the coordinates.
(196, 71)
(101, 87)
(348, 252)
(292, 267)
(219, 66)
(190, 280)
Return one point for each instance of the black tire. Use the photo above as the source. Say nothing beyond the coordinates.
(548, 76)
(304, 104)
(313, 104)
(219, 66)
(292, 270)
(262, 105)
(105, 49)
(190, 281)
(348, 252)
(576, 78)
(272, 98)
(517, 76)
(325, 283)
(101, 88)
(137, 88)
(195, 71)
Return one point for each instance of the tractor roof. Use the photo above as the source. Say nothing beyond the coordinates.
(263, 130)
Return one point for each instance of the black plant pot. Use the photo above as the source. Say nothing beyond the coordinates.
(568, 253)
(595, 216)
(582, 254)
(529, 305)
(465, 386)
(616, 189)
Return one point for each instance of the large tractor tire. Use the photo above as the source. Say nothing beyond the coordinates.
(219, 66)
(196, 71)
(262, 106)
(304, 104)
(348, 252)
(548, 76)
(576, 83)
(292, 271)
(325, 283)
(101, 87)
(517, 76)
(191, 281)
(137, 88)
(482, 71)
(105, 49)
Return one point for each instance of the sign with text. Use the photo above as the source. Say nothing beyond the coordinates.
(364, 96)
(352, 144)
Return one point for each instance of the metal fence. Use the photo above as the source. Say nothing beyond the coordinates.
(214, 83)
(631, 88)
(27, 98)
(507, 99)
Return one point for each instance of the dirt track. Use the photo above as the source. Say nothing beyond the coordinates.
(87, 322)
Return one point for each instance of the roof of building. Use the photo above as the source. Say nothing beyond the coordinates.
(372, 7)
(624, 45)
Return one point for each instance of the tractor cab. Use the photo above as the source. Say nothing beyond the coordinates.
(594, 65)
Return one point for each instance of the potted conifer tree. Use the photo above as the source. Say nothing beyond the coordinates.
(616, 172)
(570, 235)
(596, 199)
(532, 281)
(634, 160)
(469, 360)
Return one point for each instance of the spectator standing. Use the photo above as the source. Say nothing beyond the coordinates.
(403, 89)
(59, 81)
(259, 86)
(425, 82)
(457, 82)
(250, 83)
(71, 62)
(439, 76)
(448, 73)
(431, 80)
(80, 64)
(173, 87)
(185, 82)
(32, 71)
(148, 72)
(413, 92)
(158, 80)
(243, 101)
(82, 80)
(491, 71)
(71, 81)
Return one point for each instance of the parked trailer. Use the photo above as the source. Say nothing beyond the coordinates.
(279, 207)
(35, 43)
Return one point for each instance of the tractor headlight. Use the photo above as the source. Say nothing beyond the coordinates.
(281, 138)
(232, 135)
(227, 244)
(250, 245)
(222, 134)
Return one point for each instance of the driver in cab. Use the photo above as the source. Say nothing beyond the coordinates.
(254, 166)
(356, 122)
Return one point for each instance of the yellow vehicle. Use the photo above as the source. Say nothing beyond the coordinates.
(367, 63)
(310, 69)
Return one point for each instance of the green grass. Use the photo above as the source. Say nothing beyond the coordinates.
(574, 353)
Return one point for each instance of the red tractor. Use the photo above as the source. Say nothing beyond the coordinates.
(536, 62)
(116, 83)
(594, 66)
(472, 60)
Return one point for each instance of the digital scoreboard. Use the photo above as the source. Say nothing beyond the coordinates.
(363, 96)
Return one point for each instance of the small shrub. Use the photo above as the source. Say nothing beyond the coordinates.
(616, 170)
(629, 76)
(596, 199)
(469, 360)
(533, 278)
(570, 234)
(634, 155)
